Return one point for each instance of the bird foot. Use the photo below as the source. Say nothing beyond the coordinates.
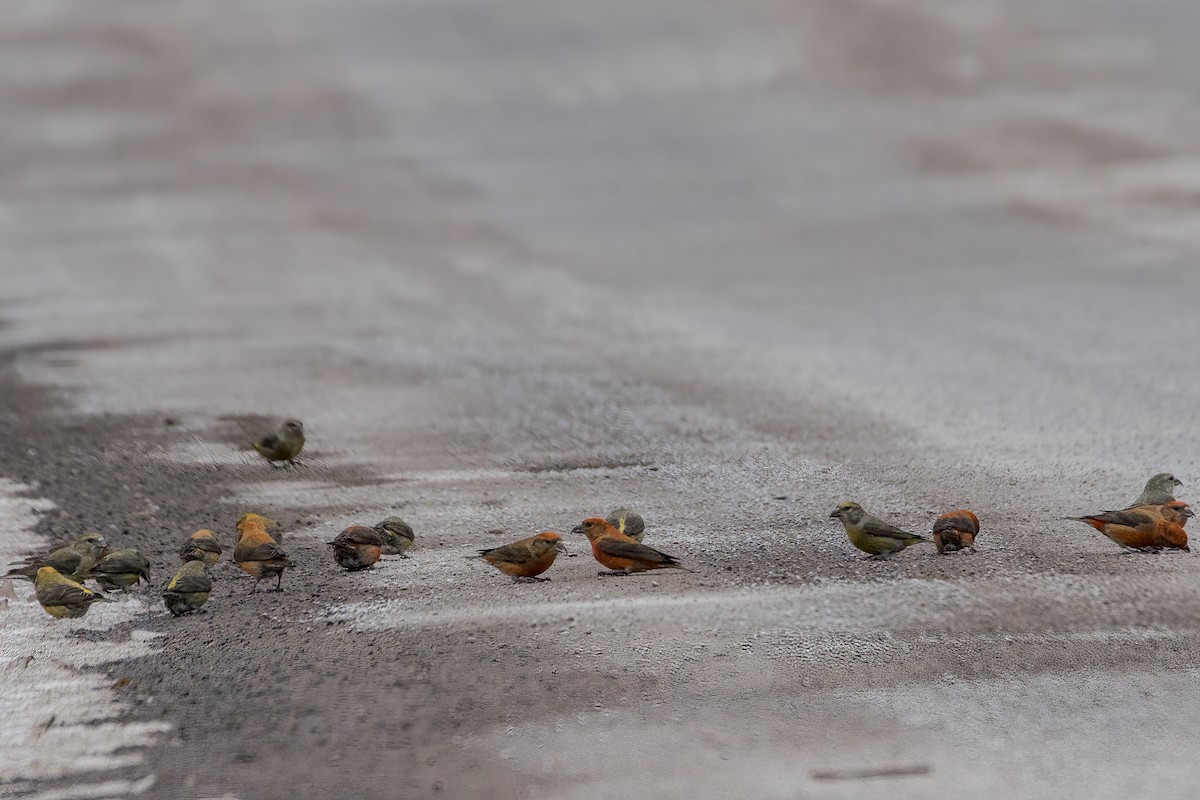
(529, 579)
(613, 573)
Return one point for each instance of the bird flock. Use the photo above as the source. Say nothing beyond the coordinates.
(1153, 522)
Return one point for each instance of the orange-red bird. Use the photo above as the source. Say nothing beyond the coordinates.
(526, 559)
(1145, 528)
(620, 553)
(357, 547)
(257, 553)
(201, 546)
(955, 530)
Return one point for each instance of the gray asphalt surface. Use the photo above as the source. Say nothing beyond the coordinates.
(517, 264)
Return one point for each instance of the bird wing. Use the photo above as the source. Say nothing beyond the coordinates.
(270, 441)
(121, 563)
(360, 535)
(186, 584)
(877, 527)
(1131, 519)
(65, 560)
(620, 548)
(63, 594)
(515, 553)
(266, 551)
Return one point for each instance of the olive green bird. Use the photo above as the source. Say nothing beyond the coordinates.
(628, 522)
(72, 561)
(120, 570)
(284, 444)
(397, 536)
(189, 589)
(1160, 490)
(871, 534)
(63, 598)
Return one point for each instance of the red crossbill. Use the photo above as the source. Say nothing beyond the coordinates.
(955, 530)
(63, 597)
(397, 536)
(871, 534)
(120, 569)
(524, 560)
(189, 589)
(257, 553)
(620, 553)
(1145, 528)
(201, 546)
(357, 547)
(284, 444)
(72, 561)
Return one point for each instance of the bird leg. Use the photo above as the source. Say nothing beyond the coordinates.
(279, 582)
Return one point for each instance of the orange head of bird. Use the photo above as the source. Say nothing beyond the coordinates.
(549, 540)
(594, 528)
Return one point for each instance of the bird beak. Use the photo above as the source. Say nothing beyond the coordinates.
(560, 547)
(577, 529)
(1187, 512)
(837, 512)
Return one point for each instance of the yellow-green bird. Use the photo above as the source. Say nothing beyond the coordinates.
(628, 522)
(871, 534)
(397, 536)
(73, 561)
(284, 444)
(120, 569)
(63, 597)
(189, 589)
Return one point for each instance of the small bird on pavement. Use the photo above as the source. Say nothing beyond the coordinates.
(358, 547)
(397, 536)
(257, 553)
(620, 553)
(628, 522)
(120, 570)
(1159, 489)
(284, 444)
(189, 589)
(871, 534)
(72, 561)
(201, 546)
(62, 597)
(1146, 528)
(524, 560)
(955, 530)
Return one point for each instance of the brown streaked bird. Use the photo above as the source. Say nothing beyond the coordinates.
(397, 536)
(189, 589)
(524, 560)
(72, 561)
(120, 570)
(1159, 489)
(62, 597)
(955, 530)
(358, 547)
(628, 522)
(620, 553)
(257, 553)
(202, 546)
(1142, 528)
(284, 444)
